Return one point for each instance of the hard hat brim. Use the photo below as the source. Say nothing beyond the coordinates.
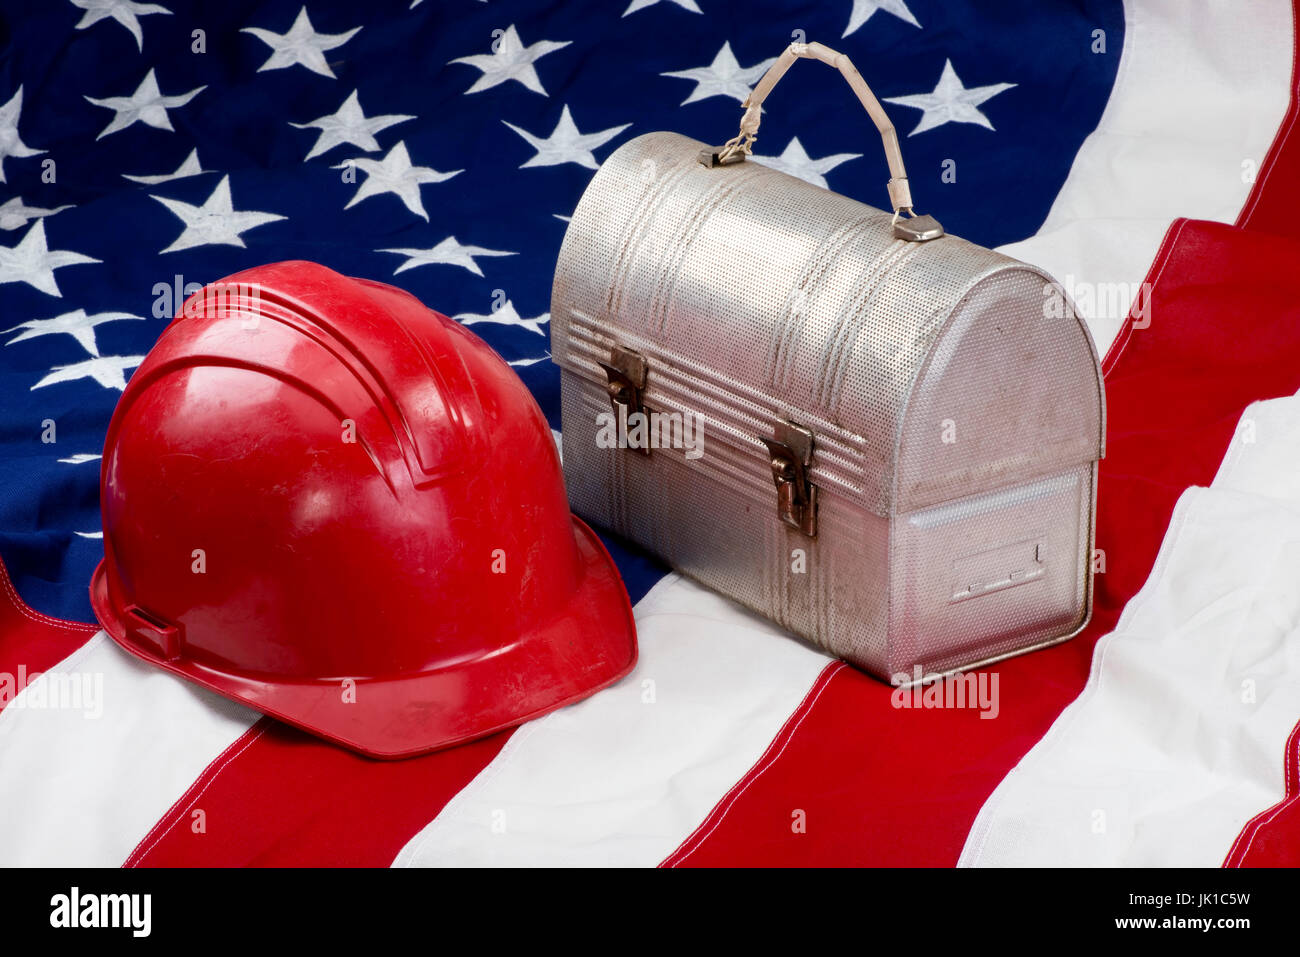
(590, 646)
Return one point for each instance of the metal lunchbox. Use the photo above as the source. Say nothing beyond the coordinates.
(882, 437)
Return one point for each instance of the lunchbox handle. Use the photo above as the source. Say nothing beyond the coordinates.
(914, 228)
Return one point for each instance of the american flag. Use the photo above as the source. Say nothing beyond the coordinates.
(439, 145)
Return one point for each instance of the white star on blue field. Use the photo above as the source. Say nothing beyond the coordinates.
(148, 148)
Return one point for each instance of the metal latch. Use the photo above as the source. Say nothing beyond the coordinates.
(917, 229)
(626, 373)
(791, 454)
(718, 156)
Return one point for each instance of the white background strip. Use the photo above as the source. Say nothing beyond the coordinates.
(1201, 91)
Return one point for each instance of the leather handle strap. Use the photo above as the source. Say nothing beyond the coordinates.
(900, 194)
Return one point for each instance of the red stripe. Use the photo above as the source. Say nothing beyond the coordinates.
(1154, 276)
(1272, 206)
(765, 761)
(31, 641)
(884, 786)
(189, 807)
(280, 798)
(1272, 837)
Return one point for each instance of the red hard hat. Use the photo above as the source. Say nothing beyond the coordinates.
(345, 510)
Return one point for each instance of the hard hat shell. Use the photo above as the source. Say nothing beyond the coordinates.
(345, 510)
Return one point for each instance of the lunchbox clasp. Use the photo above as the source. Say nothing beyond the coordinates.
(791, 455)
(626, 374)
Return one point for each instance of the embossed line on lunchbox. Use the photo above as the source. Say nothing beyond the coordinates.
(852, 318)
(949, 512)
(635, 235)
(788, 329)
(664, 285)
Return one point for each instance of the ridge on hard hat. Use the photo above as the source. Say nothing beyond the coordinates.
(343, 509)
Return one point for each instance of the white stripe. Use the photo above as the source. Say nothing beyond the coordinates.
(80, 788)
(1201, 90)
(622, 778)
(1178, 739)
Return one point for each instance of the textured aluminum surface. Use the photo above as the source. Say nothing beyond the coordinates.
(954, 396)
